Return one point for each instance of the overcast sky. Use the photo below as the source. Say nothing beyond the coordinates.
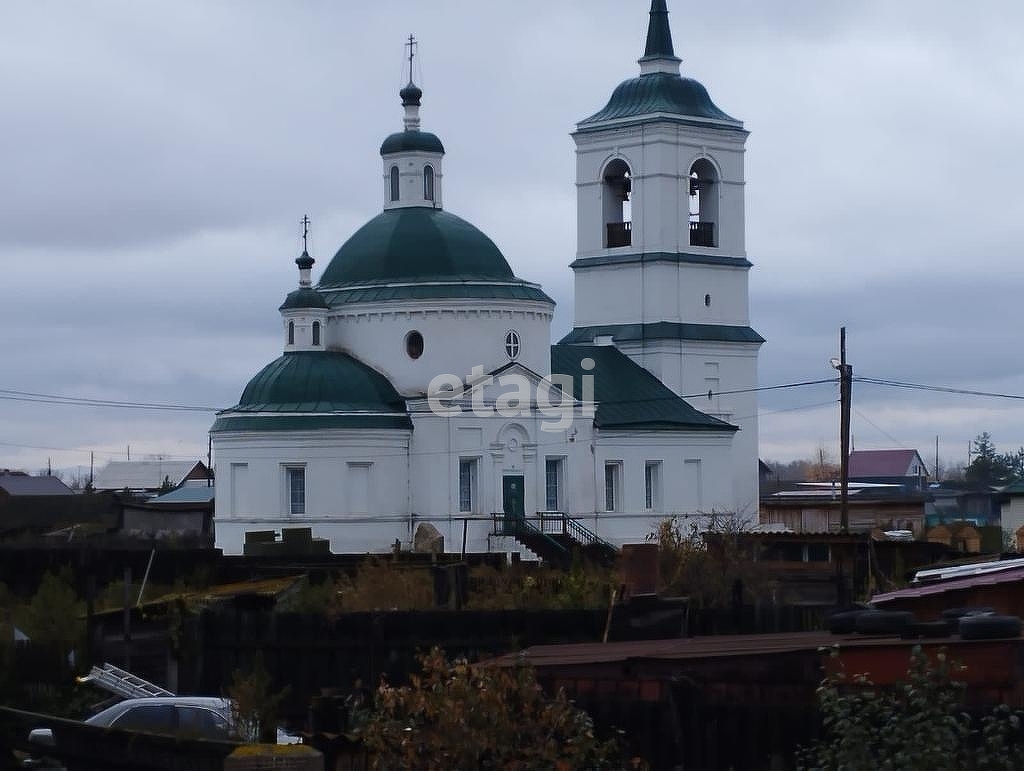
(155, 159)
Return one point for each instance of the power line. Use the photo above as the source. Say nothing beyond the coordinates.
(819, 405)
(878, 428)
(938, 389)
(81, 401)
(761, 388)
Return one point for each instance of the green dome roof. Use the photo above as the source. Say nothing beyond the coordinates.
(319, 381)
(416, 243)
(303, 298)
(660, 92)
(410, 141)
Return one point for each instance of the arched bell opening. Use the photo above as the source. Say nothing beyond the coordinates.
(615, 192)
(704, 192)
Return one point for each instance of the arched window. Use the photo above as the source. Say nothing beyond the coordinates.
(703, 203)
(316, 333)
(428, 183)
(394, 183)
(291, 333)
(615, 192)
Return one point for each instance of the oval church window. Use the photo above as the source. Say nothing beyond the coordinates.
(512, 344)
(414, 344)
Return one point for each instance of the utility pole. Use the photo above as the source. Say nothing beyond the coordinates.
(845, 401)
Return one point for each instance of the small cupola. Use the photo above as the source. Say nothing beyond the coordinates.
(304, 310)
(412, 158)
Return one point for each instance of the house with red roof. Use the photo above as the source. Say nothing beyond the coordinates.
(900, 467)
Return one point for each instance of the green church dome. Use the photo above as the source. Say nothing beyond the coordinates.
(319, 381)
(416, 243)
(411, 141)
(660, 92)
(304, 297)
(327, 389)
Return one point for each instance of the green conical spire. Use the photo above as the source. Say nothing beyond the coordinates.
(659, 35)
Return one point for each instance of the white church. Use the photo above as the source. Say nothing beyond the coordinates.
(419, 384)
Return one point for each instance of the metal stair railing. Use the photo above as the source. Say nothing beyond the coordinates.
(584, 535)
(122, 683)
(519, 526)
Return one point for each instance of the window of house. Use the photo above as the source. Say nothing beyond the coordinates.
(316, 333)
(467, 485)
(553, 484)
(428, 183)
(612, 486)
(652, 485)
(394, 183)
(296, 480)
(291, 333)
(817, 552)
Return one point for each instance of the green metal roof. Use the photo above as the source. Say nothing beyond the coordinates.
(415, 243)
(665, 330)
(326, 382)
(288, 422)
(305, 297)
(627, 395)
(515, 290)
(659, 92)
(412, 141)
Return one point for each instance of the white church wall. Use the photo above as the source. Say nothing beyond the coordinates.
(457, 336)
(335, 462)
(499, 446)
(611, 295)
(301, 325)
(692, 474)
(661, 291)
(691, 369)
(412, 191)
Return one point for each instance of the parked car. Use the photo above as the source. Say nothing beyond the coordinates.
(191, 717)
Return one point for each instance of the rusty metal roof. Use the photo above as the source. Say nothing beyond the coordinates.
(268, 587)
(939, 587)
(693, 648)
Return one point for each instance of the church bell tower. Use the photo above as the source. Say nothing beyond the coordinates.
(661, 270)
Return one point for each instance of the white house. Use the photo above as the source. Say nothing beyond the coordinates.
(418, 383)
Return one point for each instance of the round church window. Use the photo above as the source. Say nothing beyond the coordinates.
(414, 344)
(512, 344)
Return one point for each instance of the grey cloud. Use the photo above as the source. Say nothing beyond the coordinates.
(155, 160)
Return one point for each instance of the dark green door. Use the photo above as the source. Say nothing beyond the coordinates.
(513, 497)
